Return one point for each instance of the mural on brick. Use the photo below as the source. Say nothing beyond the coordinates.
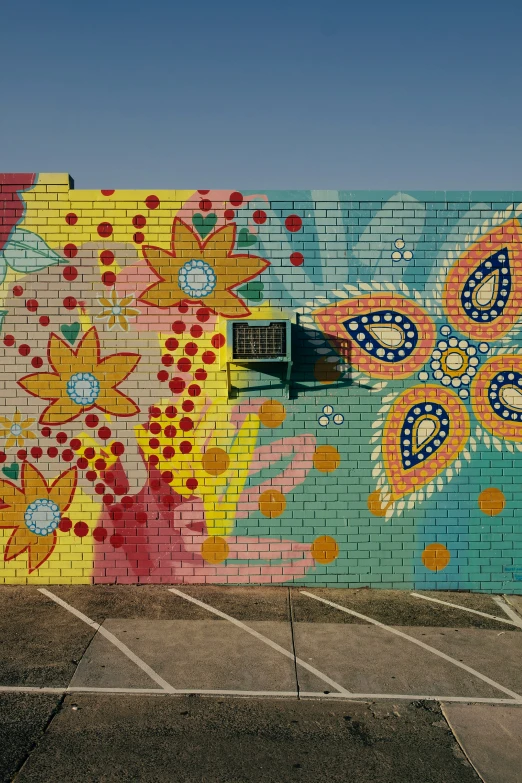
(394, 459)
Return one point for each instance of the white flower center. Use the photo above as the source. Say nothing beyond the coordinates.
(83, 388)
(197, 278)
(16, 430)
(116, 310)
(42, 516)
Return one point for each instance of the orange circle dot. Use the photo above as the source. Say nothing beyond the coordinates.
(324, 549)
(326, 459)
(375, 505)
(272, 503)
(326, 372)
(436, 557)
(214, 549)
(491, 501)
(272, 413)
(215, 461)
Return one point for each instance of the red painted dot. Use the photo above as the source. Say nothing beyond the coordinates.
(203, 314)
(18, 290)
(171, 344)
(107, 192)
(120, 490)
(138, 221)
(186, 423)
(178, 327)
(196, 331)
(46, 432)
(194, 390)
(141, 518)
(81, 529)
(209, 357)
(52, 452)
(32, 305)
(162, 376)
(89, 452)
(117, 448)
(107, 257)
(44, 320)
(259, 217)
(218, 340)
(236, 199)
(138, 237)
(296, 259)
(65, 524)
(91, 420)
(152, 202)
(21, 454)
(108, 499)
(37, 362)
(99, 534)
(188, 406)
(76, 444)
(171, 411)
(229, 214)
(293, 223)
(170, 431)
(205, 205)
(109, 477)
(203, 192)
(100, 464)
(155, 484)
(184, 364)
(191, 484)
(117, 541)
(154, 411)
(67, 455)
(167, 360)
(154, 443)
(116, 513)
(104, 433)
(127, 502)
(69, 302)
(70, 273)
(9, 340)
(154, 459)
(183, 308)
(82, 463)
(177, 385)
(61, 438)
(91, 475)
(191, 349)
(168, 452)
(71, 219)
(3, 456)
(168, 500)
(108, 278)
(201, 374)
(70, 251)
(24, 349)
(105, 229)
(167, 476)
(36, 452)
(155, 427)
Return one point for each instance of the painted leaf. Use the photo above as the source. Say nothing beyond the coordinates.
(27, 252)
(426, 429)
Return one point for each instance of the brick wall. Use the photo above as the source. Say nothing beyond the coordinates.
(393, 458)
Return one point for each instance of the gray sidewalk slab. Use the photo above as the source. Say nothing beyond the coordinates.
(161, 739)
(491, 736)
(365, 659)
(193, 654)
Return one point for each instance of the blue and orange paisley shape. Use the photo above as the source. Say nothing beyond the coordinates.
(384, 335)
(482, 295)
(496, 396)
(425, 431)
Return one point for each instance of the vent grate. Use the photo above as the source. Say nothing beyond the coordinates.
(259, 342)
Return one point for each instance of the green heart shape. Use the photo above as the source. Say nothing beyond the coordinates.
(245, 238)
(12, 471)
(252, 292)
(71, 331)
(204, 225)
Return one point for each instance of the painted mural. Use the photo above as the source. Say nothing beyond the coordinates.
(394, 460)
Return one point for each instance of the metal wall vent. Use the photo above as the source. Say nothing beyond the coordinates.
(254, 341)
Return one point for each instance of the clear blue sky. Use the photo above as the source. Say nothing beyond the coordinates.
(273, 94)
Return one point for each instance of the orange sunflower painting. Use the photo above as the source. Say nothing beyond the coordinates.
(82, 380)
(34, 511)
(196, 271)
